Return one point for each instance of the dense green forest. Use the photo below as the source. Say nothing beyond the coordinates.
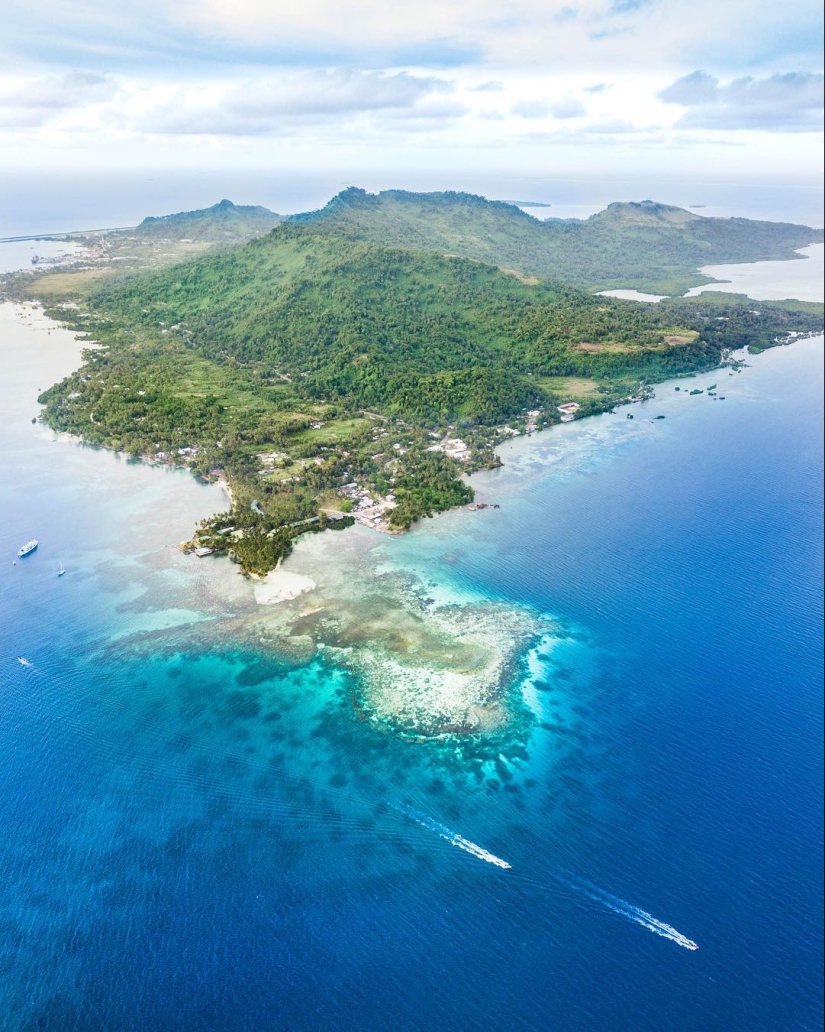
(644, 245)
(411, 332)
(322, 374)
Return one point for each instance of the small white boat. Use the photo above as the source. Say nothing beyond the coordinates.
(27, 548)
(61, 570)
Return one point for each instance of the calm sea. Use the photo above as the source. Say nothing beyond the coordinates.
(198, 834)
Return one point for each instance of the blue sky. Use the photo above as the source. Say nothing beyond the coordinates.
(659, 84)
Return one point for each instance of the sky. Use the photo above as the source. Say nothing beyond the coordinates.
(727, 88)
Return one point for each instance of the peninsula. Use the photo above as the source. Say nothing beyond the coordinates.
(354, 363)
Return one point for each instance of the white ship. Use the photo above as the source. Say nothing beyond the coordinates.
(28, 547)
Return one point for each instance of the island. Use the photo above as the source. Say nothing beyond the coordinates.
(355, 363)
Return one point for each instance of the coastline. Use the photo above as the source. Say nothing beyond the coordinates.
(422, 670)
(227, 490)
(280, 585)
(502, 435)
(365, 600)
(287, 496)
(162, 778)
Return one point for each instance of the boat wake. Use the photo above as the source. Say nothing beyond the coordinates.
(450, 836)
(606, 899)
(631, 912)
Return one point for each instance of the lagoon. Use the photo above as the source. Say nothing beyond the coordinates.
(771, 281)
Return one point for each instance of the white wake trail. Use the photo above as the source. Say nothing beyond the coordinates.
(451, 836)
(606, 899)
(633, 913)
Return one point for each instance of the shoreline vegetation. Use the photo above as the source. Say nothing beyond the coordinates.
(327, 375)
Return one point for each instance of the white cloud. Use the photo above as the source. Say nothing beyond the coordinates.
(53, 92)
(35, 102)
(22, 118)
(595, 34)
(613, 133)
(333, 80)
(531, 109)
(492, 86)
(288, 102)
(333, 92)
(614, 126)
(566, 107)
(697, 88)
(789, 102)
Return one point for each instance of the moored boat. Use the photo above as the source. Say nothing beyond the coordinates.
(27, 548)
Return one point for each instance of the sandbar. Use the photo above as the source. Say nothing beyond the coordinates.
(282, 586)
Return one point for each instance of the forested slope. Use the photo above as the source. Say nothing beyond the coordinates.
(412, 333)
(308, 360)
(645, 245)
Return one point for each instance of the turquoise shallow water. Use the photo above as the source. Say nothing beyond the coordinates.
(202, 836)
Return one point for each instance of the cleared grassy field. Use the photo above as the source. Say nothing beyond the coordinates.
(239, 391)
(71, 284)
(337, 431)
(569, 388)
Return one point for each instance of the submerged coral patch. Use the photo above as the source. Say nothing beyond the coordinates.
(422, 665)
(454, 676)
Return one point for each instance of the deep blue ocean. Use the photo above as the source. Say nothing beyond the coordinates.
(198, 834)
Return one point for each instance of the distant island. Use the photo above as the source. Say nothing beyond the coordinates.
(529, 204)
(223, 223)
(354, 362)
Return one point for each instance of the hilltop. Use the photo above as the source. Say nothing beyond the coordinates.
(646, 245)
(157, 241)
(224, 222)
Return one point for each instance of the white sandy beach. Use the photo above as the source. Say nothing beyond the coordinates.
(281, 586)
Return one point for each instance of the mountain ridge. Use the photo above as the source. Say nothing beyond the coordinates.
(645, 245)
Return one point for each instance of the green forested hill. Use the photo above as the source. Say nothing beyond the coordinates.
(224, 222)
(644, 245)
(310, 359)
(411, 333)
